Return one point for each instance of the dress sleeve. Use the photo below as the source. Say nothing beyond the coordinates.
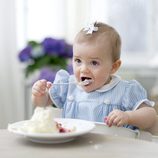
(135, 95)
(58, 92)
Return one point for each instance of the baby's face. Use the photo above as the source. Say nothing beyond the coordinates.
(92, 62)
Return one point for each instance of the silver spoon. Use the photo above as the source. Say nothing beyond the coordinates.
(82, 83)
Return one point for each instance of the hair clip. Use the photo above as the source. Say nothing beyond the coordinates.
(91, 28)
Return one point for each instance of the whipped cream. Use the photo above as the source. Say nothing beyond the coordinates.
(41, 122)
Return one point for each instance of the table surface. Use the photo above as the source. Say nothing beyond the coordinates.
(93, 144)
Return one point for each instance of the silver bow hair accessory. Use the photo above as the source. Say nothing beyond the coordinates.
(91, 28)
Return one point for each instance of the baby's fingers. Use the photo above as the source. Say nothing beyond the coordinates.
(37, 92)
(39, 88)
(49, 84)
(110, 119)
(120, 123)
(117, 122)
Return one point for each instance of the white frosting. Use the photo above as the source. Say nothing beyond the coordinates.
(41, 121)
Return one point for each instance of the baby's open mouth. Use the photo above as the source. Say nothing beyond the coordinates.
(85, 81)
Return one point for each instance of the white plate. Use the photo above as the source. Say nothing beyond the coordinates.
(81, 127)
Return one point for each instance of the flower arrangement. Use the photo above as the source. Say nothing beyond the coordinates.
(47, 56)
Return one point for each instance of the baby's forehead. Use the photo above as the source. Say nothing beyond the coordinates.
(103, 39)
(96, 49)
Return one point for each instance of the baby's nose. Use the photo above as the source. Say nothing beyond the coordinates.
(84, 68)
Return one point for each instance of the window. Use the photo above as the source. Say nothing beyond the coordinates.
(137, 23)
(135, 20)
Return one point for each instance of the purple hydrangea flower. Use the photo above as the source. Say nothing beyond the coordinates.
(69, 51)
(49, 45)
(25, 54)
(57, 47)
(49, 53)
(47, 73)
(69, 67)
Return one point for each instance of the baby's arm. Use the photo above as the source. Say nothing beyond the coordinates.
(40, 94)
(143, 118)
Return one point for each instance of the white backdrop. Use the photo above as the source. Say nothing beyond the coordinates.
(11, 86)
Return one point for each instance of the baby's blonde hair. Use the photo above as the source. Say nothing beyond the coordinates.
(105, 35)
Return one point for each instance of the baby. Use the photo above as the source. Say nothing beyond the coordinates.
(94, 92)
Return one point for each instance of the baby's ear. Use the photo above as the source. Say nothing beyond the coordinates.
(116, 65)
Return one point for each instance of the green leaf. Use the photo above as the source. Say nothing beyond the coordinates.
(55, 62)
(33, 43)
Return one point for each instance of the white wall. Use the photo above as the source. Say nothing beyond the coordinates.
(11, 86)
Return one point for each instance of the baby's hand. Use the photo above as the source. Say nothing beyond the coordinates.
(40, 88)
(40, 95)
(117, 118)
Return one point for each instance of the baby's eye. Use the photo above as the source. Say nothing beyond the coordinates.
(77, 60)
(95, 63)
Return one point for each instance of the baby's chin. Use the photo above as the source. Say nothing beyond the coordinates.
(89, 89)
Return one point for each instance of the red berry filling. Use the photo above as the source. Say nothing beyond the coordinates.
(62, 129)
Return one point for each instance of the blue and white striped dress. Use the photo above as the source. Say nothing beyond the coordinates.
(94, 106)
